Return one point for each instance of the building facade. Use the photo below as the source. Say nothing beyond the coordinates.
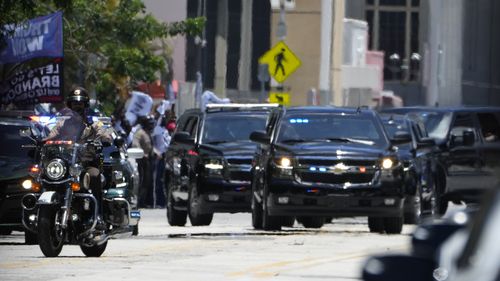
(437, 52)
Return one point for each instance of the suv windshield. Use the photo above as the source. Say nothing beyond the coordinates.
(12, 142)
(220, 128)
(396, 125)
(436, 123)
(329, 127)
(393, 126)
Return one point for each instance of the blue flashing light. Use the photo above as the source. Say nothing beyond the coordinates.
(322, 169)
(312, 169)
(299, 121)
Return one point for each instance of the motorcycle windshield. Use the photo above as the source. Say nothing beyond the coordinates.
(61, 150)
(69, 126)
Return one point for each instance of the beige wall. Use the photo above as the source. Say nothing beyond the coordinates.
(303, 38)
(171, 11)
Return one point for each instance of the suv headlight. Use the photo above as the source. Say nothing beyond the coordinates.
(388, 163)
(214, 166)
(55, 169)
(283, 166)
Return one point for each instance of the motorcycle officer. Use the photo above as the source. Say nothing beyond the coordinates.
(76, 127)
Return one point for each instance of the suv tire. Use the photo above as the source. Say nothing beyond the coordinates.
(376, 224)
(256, 213)
(412, 216)
(393, 225)
(30, 238)
(196, 218)
(269, 222)
(287, 221)
(312, 222)
(174, 217)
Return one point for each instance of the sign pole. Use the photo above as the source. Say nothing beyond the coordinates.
(263, 76)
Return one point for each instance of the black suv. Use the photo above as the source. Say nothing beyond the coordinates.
(15, 164)
(209, 161)
(419, 165)
(468, 154)
(316, 162)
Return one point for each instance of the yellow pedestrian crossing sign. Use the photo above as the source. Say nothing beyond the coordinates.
(281, 61)
(282, 98)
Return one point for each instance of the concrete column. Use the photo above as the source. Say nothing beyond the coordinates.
(245, 66)
(336, 58)
(326, 50)
(446, 50)
(221, 48)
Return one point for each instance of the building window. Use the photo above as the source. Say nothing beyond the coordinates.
(394, 29)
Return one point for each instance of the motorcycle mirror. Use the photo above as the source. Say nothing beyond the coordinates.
(25, 132)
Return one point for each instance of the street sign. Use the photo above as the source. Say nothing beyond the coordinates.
(280, 98)
(281, 60)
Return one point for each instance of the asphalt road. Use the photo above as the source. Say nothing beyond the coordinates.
(229, 249)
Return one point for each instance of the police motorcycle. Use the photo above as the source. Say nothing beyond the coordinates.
(63, 210)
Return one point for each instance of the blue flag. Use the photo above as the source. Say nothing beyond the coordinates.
(39, 37)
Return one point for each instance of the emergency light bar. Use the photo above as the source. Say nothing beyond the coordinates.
(229, 106)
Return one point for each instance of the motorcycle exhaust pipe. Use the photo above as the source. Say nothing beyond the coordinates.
(29, 202)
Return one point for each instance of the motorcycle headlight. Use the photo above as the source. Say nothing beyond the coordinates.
(55, 169)
(75, 170)
(117, 175)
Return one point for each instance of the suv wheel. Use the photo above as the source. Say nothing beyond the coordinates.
(287, 221)
(30, 238)
(442, 205)
(393, 225)
(195, 217)
(312, 222)
(376, 224)
(5, 231)
(269, 222)
(412, 216)
(256, 213)
(174, 217)
(430, 207)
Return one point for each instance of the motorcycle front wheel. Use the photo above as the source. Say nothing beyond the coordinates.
(94, 251)
(50, 233)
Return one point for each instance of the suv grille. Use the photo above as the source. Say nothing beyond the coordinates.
(239, 169)
(324, 171)
(239, 161)
(335, 179)
(240, 176)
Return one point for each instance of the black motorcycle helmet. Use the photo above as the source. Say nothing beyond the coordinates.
(78, 100)
(148, 123)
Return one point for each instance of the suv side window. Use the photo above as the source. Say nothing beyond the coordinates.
(181, 123)
(463, 123)
(191, 125)
(490, 126)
